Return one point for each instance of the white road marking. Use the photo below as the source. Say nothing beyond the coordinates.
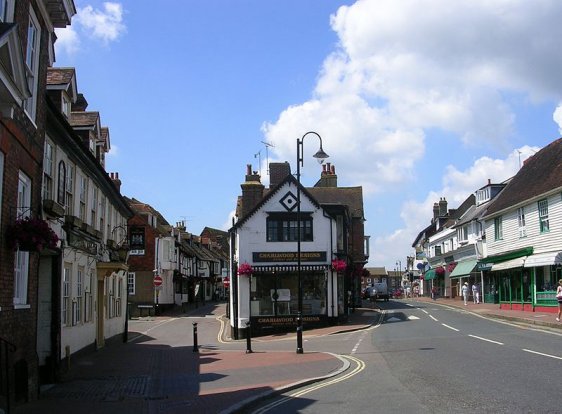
(540, 353)
(424, 311)
(412, 317)
(450, 327)
(432, 317)
(485, 339)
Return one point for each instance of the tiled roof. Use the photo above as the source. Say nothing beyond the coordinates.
(347, 196)
(60, 76)
(140, 207)
(539, 174)
(81, 119)
(377, 271)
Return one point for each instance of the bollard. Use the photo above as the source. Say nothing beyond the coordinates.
(195, 346)
(299, 334)
(248, 338)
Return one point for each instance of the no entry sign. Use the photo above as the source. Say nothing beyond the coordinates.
(157, 280)
(226, 282)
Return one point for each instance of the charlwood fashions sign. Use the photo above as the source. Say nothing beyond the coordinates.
(278, 257)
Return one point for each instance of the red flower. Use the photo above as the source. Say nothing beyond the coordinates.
(451, 266)
(339, 265)
(31, 234)
(245, 269)
(440, 270)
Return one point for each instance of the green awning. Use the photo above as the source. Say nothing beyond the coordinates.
(463, 268)
(512, 254)
(430, 274)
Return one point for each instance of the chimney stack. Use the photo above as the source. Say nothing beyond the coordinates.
(115, 178)
(328, 177)
(442, 207)
(435, 211)
(252, 191)
(278, 171)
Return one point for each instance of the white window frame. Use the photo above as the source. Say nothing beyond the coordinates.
(131, 283)
(65, 103)
(498, 228)
(94, 207)
(542, 206)
(83, 197)
(7, 11)
(69, 197)
(521, 222)
(79, 293)
(21, 260)
(66, 291)
(48, 162)
(32, 56)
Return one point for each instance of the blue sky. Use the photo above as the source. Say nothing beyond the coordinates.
(414, 99)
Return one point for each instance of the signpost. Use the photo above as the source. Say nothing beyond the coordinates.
(157, 281)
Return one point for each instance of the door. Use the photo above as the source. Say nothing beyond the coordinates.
(100, 307)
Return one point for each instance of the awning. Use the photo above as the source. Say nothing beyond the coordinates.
(509, 264)
(430, 274)
(544, 259)
(463, 268)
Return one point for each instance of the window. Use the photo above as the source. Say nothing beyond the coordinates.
(521, 222)
(83, 192)
(66, 277)
(48, 172)
(21, 260)
(102, 213)
(69, 188)
(65, 104)
(89, 288)
(282, 228)
(61, 191)
(32, 64)
(1, 178)
(118, 288)
(498, 228)
(462, 233)
(543, 215)
(79, 293)
(3, 10)
(437, 251)
(131, 282)
(94, 208)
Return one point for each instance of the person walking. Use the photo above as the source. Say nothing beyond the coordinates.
(559, 298)
(475, 293)
(464, 291)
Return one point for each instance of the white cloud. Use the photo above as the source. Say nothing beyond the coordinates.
(557, 116)
(103, 25)
(457, 186)
(67, 40)
(106, 25)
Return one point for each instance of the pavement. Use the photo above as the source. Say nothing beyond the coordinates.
(149, 375)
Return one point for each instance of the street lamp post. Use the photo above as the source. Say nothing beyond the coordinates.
(320, 155)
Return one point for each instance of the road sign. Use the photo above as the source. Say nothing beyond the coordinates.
(226, 282)
(157, 280)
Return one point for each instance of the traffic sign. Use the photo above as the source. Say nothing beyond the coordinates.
(157, 280)
(226, 282)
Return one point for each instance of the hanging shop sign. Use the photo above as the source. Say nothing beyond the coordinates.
(279, 257)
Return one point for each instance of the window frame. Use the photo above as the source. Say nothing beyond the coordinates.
(131, 283)
(32, 57)
(282, 228)
(21, 258)
(544, 225)
(521, 222)
(48, 164)
(498, 228)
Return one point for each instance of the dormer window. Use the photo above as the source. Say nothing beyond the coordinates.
(65, 103)
(483, 195)
(32, 64)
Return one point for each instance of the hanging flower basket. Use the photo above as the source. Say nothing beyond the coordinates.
(440, 271)
(451, 266)
(245, 269)
(31, 234)
(338, 265)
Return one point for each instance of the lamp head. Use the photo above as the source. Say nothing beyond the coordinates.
(320, 155)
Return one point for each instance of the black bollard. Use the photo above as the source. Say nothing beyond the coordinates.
(195, 346)
(248, 338)
(299, 334)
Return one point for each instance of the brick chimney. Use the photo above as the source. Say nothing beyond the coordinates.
(328, 177)
(115, 178)
(278, 171)
(442, 207)
(435, 211)
(252, 190)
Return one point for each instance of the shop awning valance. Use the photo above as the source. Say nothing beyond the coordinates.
(430, 274)
(463, 268)
(544, 259)
(509, 264)
(289, 268)
(512, 254)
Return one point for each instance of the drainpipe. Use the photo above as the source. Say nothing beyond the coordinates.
(331, 256)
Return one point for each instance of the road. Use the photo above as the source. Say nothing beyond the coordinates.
(428, 358)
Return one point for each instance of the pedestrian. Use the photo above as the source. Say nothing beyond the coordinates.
(559, 298)
(475, 293)
(465, 293)
(434, 292)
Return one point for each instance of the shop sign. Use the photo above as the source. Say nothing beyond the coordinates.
(281, 257)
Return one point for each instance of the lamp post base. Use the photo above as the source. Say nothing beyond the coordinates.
(299, 334)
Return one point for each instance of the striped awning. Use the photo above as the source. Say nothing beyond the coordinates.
(430, 274)
(509, 264)
(463, 268)
(544, 259)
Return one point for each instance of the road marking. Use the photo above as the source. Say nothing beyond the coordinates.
(484, 339)
(354, 350)
(413, 318)
(424, 311)
(150, 329)
(450, 327)
(540, 353)
(432, 317)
